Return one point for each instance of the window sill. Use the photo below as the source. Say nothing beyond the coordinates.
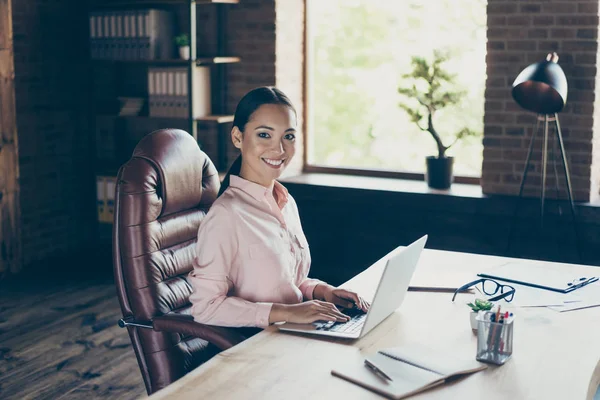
(466, 195)
(384, 184)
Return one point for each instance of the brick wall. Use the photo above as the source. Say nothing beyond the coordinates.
(289, 65)
(251, 36)
(51, 89)
(268, 36)
(520, 33)
(595, 187)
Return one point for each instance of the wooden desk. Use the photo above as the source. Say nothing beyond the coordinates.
(556, 355)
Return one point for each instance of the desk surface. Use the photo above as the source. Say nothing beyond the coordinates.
(556, 355)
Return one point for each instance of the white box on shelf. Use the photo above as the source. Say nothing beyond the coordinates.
(202, 92)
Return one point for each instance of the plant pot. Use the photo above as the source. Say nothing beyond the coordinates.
(473, 316)
(184, 52)
(439, 172)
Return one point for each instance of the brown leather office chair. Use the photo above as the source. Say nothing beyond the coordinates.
(163, 192)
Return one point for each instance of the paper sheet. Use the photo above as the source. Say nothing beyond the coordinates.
(526, 296)
(589, 296)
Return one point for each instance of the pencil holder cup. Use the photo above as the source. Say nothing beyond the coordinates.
(494, 339)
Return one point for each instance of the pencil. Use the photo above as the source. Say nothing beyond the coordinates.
(434, 289)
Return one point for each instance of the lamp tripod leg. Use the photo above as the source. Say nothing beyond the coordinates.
(523, 179)
(569, 189)
(556, 188)
(544, 165)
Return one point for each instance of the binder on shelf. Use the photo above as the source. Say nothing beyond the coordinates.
(171, 109)
(151, 91)
(113, 54)
(110, 198)
(181, 100)
(168, 94)
(131, 35)
(100, 198)
(164, 92)
(93, 37)
(105, 198)
(105, 50)
(120, 37)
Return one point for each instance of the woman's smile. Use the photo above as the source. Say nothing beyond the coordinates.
(273, 163)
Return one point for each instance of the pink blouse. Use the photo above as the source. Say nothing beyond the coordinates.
(251, 253)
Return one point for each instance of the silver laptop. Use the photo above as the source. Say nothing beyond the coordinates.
(400, 264)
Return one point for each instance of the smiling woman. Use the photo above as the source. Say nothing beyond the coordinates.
(252, 260)
(253, 115)
(269, 143)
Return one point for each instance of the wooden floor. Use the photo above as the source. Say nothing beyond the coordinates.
(61, 341)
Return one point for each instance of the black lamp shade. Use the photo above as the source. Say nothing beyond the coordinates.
(541, 88)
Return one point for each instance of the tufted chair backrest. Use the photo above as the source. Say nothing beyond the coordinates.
(163, 192)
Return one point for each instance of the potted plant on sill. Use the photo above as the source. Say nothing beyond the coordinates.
(183, 43)
(424, 95)
(476, 306)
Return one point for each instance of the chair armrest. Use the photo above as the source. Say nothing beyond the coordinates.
(219, 336)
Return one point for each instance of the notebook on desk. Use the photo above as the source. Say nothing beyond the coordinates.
(411, 368)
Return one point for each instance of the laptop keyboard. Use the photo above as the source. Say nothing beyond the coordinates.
(357, 319)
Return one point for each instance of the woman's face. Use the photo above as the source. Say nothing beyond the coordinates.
(267, 144)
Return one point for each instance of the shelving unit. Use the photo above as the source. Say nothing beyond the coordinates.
(117, 134)
(218, 119)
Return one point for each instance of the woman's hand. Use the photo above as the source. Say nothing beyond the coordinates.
(341, 297)
(307, 312)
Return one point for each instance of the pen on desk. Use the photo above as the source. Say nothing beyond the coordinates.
(377, 371)
(434, 289)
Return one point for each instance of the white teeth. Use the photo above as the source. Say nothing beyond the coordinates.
(273, 162)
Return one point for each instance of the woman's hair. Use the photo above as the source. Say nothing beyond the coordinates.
(244, 111)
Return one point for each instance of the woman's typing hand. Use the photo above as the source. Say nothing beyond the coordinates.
(341, 297)
(306, 312)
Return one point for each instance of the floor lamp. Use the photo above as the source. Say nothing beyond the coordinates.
(542, 88)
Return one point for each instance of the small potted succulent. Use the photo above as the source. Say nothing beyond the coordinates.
(183, 43)
(476, 306)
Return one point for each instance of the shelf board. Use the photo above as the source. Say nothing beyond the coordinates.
(127, 3)
(219, 119)
(147, 62)
(217, 60)
(199, 61)
(217, 1)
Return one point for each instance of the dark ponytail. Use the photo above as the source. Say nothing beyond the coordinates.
(233, 170)
(245, 108)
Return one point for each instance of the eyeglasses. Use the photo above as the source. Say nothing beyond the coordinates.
(490, 287)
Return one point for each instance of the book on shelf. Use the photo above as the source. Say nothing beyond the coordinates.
(168, 94)
(101, 198)
(403, 371)
(145, 34)
(105, 198)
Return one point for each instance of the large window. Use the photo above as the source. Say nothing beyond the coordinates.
(357, 53)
